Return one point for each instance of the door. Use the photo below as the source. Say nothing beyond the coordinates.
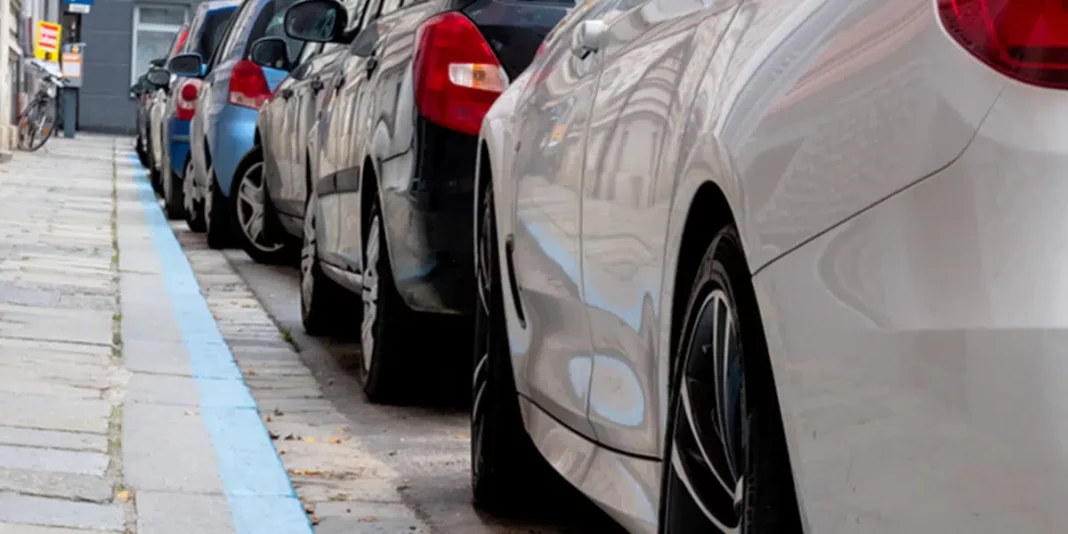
(547, 242)
(654, 58)
(277, 132)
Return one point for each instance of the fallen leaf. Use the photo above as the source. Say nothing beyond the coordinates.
(250, 372)
(335, 441)
(313, 520)
(304, 472)
(190, 412)
(369, 519)
(309, 439)
(278, 412)
(462, 436)
(272, 435)
(124, 496)
(291, 437)
(269, 418)
(337, 497)
(392, 453)
(281, 452)
(309, 508)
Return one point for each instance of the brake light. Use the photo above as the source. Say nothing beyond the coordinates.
(187, 100)
(457, 75)
(1023, 39)
(248, 85)
(181, 41)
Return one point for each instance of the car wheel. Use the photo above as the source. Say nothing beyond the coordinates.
(194, 208)
(386, 333)
(727, 468)
(173, 197)
(142, 156)
(507, 471)
(216, 219)
(325, 306)
(251, 210)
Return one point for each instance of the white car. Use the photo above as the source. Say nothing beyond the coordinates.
(771, 266)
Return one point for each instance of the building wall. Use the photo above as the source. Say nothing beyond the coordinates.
(108, 33)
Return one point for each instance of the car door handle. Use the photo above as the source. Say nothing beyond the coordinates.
(286, 93)
(588, 38)
(317, 85)
(372, 63)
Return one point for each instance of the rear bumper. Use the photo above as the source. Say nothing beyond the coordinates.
(428, 223)
(234, 131)
(921, 348)
(178, 145)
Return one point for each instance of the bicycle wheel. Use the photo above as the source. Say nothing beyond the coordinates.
(36, 124)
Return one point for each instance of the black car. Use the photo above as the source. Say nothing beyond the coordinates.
(386, 230)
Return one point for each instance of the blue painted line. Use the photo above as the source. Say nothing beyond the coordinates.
(258, 491)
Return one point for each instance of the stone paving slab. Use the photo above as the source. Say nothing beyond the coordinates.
(178, 513)
(15, 508)
(167, 448)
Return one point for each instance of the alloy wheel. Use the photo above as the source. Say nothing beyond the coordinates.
(209, 197)
(370, 291)
(187, 186)
(251, 208)
(307, 258)
(709, 456)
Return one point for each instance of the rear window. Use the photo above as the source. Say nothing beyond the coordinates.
(214, 26)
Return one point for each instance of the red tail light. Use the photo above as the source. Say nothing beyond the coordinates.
(248, 85)
(187, 100)
(1024, 39)
(181, 41)
(457, 75)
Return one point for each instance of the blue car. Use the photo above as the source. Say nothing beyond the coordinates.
(231, 94)
(204, 33)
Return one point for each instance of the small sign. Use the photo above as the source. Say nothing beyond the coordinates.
(81, 9)
(72, 65)
(46, 41)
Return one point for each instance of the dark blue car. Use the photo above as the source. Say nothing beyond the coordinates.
(205, 30)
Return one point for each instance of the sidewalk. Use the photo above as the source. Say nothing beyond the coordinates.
(121, 406)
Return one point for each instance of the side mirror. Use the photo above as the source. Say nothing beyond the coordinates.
(158, 62)
(270, 52)
(158, 77)
(189, 65)
(320, 21)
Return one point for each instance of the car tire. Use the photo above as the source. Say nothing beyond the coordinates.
(250, 212)
(325, 306)
(507, 471)
(173, 197)
(142, 156)
(194, 209)
(389, 350)
(728, 470)
(216, 215)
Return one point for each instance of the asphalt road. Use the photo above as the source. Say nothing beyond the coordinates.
(418, 442)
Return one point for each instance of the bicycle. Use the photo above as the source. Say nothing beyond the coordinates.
(37, 121)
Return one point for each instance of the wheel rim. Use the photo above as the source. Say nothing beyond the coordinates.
(370, 293)
(251, 208)
(307, 260)
(708, 455)
(484, 277)
(187, 189)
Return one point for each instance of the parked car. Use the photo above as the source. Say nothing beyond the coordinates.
(205, 31)
(231, 94)
(392, 166)
(138, 95)
(779, 266)
(157, 106)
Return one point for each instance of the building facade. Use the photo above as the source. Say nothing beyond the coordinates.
(121, 38)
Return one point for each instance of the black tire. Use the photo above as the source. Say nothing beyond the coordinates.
(249, 182)
(141, 155)
(194, 209)
(217, 210)
(325, 306)
(389, 330)
(507, 471)
(734, 461)
(173, 196)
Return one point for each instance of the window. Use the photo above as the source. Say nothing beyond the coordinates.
(214, 26)
(155, 29)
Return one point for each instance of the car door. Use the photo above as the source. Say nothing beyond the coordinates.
(654, 56)
(547, 169)
(288, 193)
(275, 135)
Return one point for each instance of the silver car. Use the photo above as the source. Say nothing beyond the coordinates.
(780, 266)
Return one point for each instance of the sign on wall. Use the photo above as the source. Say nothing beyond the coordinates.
(46, 41)
(78, 6)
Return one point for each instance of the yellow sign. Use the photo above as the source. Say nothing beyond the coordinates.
(46, 41)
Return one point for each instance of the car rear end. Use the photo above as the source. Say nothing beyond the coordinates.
(207, 29)
(462, 60)
(921, 343)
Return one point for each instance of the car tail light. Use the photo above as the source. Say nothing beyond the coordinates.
(248, 85)
(457, 75)
(1024, 39)
(181, 41)
(187, 100)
